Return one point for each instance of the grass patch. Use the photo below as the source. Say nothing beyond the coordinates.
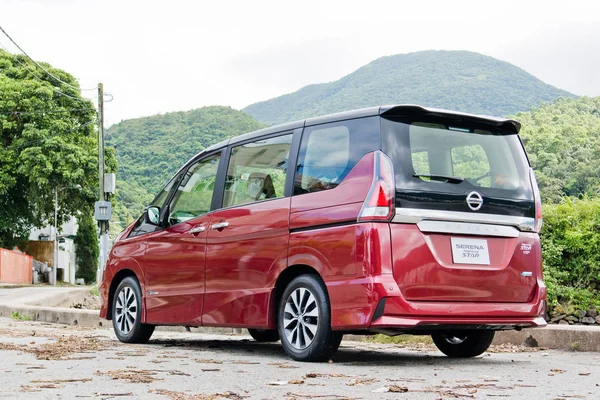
(399, 339)
(95, 291)
(21, 317)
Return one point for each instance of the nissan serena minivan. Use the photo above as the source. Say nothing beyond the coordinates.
(394, 220)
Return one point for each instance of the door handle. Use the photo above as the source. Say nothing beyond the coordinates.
(197, 229)
(220, 225)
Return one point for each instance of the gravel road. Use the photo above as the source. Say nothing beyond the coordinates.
(46, 361)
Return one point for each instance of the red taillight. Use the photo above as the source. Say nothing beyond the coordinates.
(538, 202)
(379, 204)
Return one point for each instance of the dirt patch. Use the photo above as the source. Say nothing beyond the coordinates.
(172, 395)
(59, 350)
(89, 302)
(139, 376)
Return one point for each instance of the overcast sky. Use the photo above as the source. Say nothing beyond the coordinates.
(159, 56)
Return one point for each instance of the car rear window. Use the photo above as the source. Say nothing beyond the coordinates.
(440, 156)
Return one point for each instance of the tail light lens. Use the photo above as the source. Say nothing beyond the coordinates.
(538, 202)
(380, 202)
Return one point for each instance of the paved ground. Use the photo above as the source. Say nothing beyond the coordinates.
(45, 361)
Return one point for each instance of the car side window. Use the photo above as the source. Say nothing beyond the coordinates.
(328, 152)
(257, 170)
(193, 196)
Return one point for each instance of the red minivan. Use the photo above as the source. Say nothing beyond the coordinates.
(394, 219)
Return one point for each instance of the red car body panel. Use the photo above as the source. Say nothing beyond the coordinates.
(424, 269)
(174, 265)
(244, 260)
(124, 257)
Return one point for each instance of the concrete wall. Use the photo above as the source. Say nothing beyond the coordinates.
(15, 267)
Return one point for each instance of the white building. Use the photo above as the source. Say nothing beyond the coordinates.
(66, 246)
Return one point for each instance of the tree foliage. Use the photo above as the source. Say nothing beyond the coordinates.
(151, 149)
(87, 251)
(455, 80)
(48, 145)
(562, 139)
(571, 251)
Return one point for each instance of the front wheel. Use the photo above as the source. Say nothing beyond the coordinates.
(127, 313)
(304, 321)
(463, 344)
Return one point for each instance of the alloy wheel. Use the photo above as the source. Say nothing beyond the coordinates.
(301, 318)
(126, 310)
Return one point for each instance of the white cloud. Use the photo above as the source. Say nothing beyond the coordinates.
(157, 56)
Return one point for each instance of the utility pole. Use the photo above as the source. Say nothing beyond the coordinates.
(55, 254)
(102, 197)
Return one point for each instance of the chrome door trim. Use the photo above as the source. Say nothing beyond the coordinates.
(220, 225)
(197, 229)
(465, 228)
(416, 215)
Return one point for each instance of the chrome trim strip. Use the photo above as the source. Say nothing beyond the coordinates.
(465, 228)
(416, 215)
(197, 229)
(220, 225)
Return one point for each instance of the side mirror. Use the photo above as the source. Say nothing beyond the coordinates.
(153, 215)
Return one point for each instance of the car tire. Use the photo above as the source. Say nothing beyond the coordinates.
(304, 320)
(127, 313)
(463, 344)
(264, 335)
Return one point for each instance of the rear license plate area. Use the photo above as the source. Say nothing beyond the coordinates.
(470, 251)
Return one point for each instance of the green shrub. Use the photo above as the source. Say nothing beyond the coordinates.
(87, 250)
(571, 252)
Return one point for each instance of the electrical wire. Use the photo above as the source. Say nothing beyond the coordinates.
(39, 66)
(46, 83)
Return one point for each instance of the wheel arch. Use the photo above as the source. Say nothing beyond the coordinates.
(119, 276)
(283, 280)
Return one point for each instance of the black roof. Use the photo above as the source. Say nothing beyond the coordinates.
(390, 110)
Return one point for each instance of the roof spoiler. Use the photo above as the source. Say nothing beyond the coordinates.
(411, 110)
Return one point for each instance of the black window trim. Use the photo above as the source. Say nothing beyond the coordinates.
(222, 174)
(313, 126)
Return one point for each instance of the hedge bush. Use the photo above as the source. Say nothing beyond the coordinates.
(570, 240)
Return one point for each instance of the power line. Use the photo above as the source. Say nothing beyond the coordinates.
(39, 66)
(46, 83)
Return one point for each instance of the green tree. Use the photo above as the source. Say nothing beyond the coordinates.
(48, 146)
(87, 250)
(562, 139)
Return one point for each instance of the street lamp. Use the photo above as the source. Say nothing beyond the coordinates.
(55, 255)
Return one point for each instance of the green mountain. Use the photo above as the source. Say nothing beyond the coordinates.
(455, 80)
(151, 149)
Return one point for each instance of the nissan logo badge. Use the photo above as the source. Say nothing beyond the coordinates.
(474, 201)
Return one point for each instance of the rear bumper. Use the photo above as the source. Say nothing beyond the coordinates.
(388, 311)
(398, 313)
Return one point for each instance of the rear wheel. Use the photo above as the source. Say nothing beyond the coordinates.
(463, 344)
(304, 321)
(264, 335)
(127, 313)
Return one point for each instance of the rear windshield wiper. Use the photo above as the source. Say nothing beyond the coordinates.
(444, 178)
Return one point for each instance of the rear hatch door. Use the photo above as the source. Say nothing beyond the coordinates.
(464, 202)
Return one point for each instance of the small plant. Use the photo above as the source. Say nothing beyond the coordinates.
(94, 291)
(575, 346)
(16, 315)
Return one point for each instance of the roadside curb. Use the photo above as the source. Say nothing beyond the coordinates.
(560, 337)
(40, 308)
